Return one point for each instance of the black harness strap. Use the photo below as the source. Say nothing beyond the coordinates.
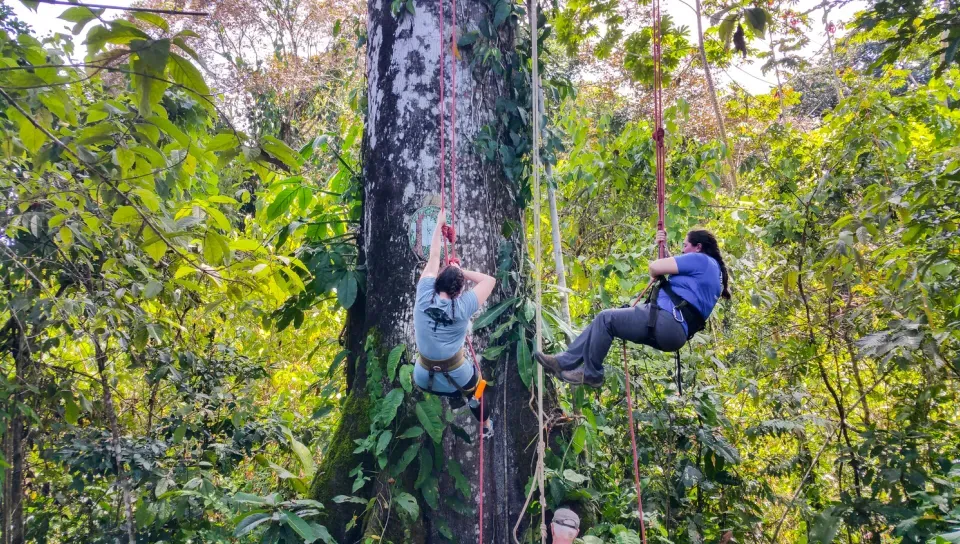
(683, 311)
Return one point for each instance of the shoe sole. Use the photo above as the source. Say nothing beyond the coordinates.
(588, 384)
(546, 366)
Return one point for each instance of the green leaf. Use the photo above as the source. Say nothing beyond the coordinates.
(489, 316)
(468, 39)
(219, 219)
(71, 411)
(124, 215)
(406, 378)
(408, 456)
(825, 526)
(183, 72)
(408, 504)
(216, 248)
(387, 407)
(151, 18)
(579, 440)
(280, 151)
(31, 137)
(412, 432)
(393, 360)
(347, 290)
(726, 30)
(170, 130)
(80, 14)
(575, 477)
(153, 245)
(460, 481)
(224, 141)
(757, 18)
(428, 413)
(179, 434)
(281, 204)
(340, 499)
(299, 526)
(302, 453)
(383, 441)
(152, 289)
(501, 12)
(426, 469)
(250, 522)
(524, 359)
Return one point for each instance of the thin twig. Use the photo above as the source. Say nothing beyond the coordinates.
(134, 9)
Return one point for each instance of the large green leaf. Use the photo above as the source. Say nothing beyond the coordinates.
(186, 74)
(281, 151)
(387, 408)
(489, 316)
(299, 526)
(281, 204)
(347, 290)
(428, 413)
(250, 522)
(396, 354)
(407, 504)
(757, 18)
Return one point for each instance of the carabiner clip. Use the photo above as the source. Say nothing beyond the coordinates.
(677, 315)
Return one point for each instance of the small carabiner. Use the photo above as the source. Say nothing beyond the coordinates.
(677, 315)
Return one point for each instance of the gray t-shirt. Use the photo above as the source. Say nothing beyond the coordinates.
(440, 325)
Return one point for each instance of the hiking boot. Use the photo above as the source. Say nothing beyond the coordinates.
(549, 362)
(577, 377)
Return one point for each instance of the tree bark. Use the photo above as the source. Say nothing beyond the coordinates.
(13, 440)
(712, 90)
(400, 173)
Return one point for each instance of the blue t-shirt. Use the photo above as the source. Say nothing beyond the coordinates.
(440, 326)
(698, 281)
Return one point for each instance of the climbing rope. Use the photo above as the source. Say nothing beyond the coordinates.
(449, 232)
(538, 293)
(660, 157)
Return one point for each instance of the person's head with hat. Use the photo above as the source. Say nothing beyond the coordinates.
(565, 526)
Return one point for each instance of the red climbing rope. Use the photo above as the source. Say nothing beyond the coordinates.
(660, 154)
(449, 232)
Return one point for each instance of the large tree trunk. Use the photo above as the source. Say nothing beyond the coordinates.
(14, 439)
(400, 174)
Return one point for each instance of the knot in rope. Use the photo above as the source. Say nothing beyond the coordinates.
(453, 260)
(448, 232)
(658, 135)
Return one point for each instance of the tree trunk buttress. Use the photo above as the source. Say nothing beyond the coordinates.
(400, 174)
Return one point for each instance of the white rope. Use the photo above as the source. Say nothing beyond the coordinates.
(535, 119)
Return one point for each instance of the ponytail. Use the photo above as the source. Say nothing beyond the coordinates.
(450, 280)
(709, 246)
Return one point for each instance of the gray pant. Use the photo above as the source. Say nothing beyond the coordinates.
(627, 323)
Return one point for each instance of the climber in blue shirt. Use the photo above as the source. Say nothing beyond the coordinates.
(682, 304)
(441, 318)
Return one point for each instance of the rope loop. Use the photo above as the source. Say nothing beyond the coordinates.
(449, 233)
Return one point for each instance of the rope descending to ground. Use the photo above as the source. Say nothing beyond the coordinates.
(660, 155)
(449, 232)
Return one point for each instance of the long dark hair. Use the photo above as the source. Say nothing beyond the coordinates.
(708, 246)
(450, 280)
